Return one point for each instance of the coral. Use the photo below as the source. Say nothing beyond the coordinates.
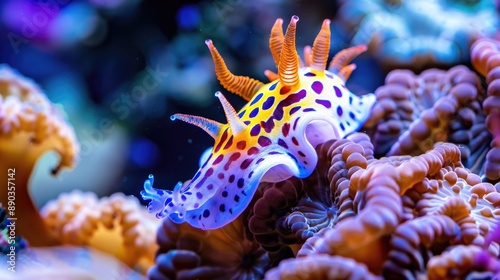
(485, 55)
(224, 253)
(289, 212)
(462, 260)
(29, 127)
(418, 34)
(320, 267)
(303, 196)
(272, 137)
(413, 112)
(116, 225)
(423, 203)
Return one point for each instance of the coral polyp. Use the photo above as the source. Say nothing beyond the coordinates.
(271, 138)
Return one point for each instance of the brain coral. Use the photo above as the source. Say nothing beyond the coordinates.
(413, 112)
(485, 54)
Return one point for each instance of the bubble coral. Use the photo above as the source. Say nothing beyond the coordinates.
(418, 34)
(413, 112)
(29, 126)
(190, 253)
(485, 55)
(117, 225)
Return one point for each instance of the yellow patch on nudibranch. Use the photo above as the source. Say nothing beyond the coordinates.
(273, 136)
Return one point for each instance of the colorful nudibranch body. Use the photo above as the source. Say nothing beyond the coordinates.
(273, 136)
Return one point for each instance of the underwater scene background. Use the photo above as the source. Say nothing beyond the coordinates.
(340, 139)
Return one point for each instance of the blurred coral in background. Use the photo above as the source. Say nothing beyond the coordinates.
(87, 88)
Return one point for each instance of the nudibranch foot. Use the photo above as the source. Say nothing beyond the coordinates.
(273, 137)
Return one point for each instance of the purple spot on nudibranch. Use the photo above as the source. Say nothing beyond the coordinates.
(350, 100)
(224, 194)
(229, 143)
(168, 200)
(294, 109)
(209, 172)
(237, 198)
(295, 123)
(206, 213)
(250, 175)
(267, 125)
(183, 197)
(255, 130)
(246, 122)
(273, 86)
(231, 178)
(289, 100)
(268, 103)
(282, 143)
(196, 205)
(329, 76)
(264, 141)
(274, 153)
(256, 98)
(351, 114)
(252, 151)
(301, 154)
(259, 160)
(337, 91)
(309, 74)
(231, 159)
(241, 114)
(220, 176)
(342, 126)
(199, 195)
(222, 139)
(317, 87)
(241, 145)
(254, 113)
(218, 159)
(222, 207)
(325, 103)
(309, 110)
(246, 163)
(339, 111)
(294, 141)
(240, 183)
(285, 129)
(210, 186)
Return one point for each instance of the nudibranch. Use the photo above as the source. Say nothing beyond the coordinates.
(273, 136)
